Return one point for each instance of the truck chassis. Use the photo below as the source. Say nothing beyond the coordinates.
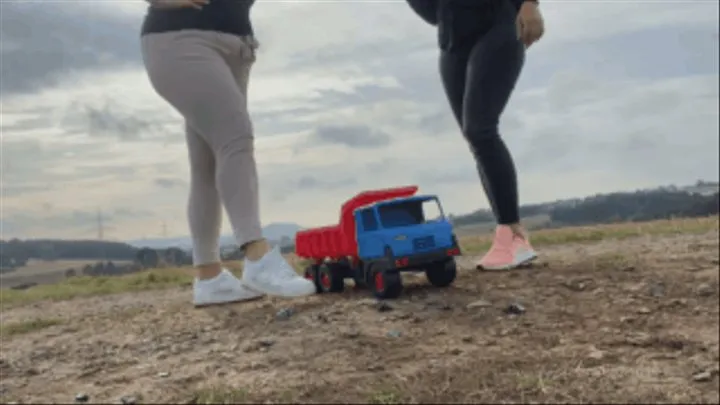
(383, 276)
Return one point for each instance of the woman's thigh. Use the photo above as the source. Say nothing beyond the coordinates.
(190, 70)
(494, 66)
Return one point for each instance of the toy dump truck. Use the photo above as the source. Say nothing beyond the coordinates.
(381, 233)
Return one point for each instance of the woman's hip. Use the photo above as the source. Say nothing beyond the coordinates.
(188, 54)
(194, 70)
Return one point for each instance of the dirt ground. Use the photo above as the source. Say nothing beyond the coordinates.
(623, 322)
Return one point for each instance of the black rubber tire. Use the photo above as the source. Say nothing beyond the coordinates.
(442, 274)
(312, 275)
(330, 278)
(386, 284)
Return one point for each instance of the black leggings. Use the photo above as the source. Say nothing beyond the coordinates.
(479, 78)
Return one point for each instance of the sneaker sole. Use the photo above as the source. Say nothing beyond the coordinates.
(522, 260)
(221, 303)
(254, 287)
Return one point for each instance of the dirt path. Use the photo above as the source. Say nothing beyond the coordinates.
(630, 321)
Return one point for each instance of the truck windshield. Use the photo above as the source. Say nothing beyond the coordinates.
(408, 213)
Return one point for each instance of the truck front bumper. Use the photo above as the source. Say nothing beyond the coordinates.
(420, 260)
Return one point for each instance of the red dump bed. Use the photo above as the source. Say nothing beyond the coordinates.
(339, 241)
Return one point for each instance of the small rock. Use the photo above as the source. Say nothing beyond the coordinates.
(639, 339)
(702, 376)
(455, 351)
(82, 398)
(382, 306)
(284, 314)
(394, 333)
(704, 290)
(129, 400)
(515, 309)
(351, 334)
(657, 290)
(468, 339)
(367, 302)
(575, 285)
(266, 342)
(375, 367)
(596, 354)
(677, 302)
(258, 366)
(478, 304)
(644, 310)
(627, 319)
(164, 374)
(262, 345)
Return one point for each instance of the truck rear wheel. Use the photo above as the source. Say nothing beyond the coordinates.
(442, 274)
(386, 284)
(330, 278)
(311, 273)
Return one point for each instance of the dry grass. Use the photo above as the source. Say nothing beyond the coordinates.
(19, 328)
(589, 234)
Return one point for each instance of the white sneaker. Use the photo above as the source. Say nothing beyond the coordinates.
(273, 275)
(223, 289)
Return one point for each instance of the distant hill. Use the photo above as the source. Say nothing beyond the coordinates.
(274, 232)
(700, 199)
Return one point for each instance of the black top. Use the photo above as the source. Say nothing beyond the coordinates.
(461, 22)
(228, 16)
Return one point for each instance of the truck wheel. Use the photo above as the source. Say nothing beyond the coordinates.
(386, 284)
(442, 274)
(311, 273)
(330, 278)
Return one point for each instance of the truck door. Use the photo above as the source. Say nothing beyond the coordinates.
(370, 244)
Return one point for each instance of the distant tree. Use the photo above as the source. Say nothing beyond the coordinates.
(176, 257)
(148, 258)
(640, 205)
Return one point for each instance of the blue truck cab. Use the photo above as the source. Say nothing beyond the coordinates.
(412, 233)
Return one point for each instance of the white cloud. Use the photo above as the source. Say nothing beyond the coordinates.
(600, 107)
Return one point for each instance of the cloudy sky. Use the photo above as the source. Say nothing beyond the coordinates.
(346, 96)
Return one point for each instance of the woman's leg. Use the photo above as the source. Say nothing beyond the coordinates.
(453, 71)
(240, 63)
(204, 209)
(493, 67)
(190, 70)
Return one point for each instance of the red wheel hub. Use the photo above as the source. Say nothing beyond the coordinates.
(379, 282)
(325, 280)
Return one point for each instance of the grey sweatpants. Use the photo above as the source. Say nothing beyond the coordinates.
(204, 76)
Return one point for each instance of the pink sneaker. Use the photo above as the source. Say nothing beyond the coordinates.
(507, 251)
(523, 251)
